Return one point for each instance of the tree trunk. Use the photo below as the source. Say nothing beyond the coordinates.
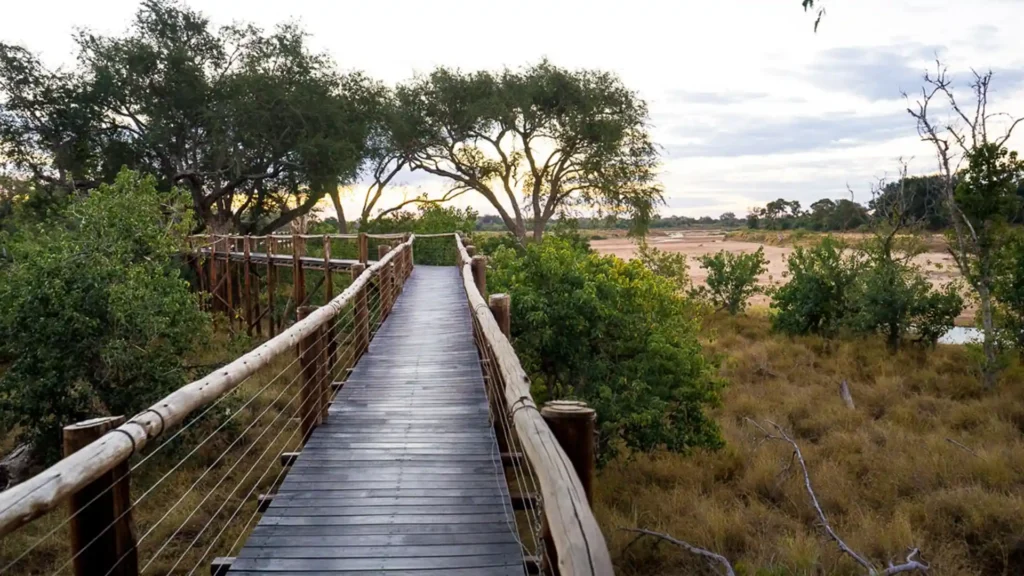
(894, 338)
(988, 327)
(538, 229)
(336, 200)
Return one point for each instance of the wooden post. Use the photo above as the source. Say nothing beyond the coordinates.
(408, 258)
(332, 345)
(471, 250)
(501, 308)
(364, 248)
(247, 285)
(479, 267)
(387, 288)
(573, 422)
(229, 283)
(298, 273)
(361, 316)
(310, 395)
(98, 548)
(213, 275)
(271, 284)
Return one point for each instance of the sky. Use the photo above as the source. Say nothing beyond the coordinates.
(747, 102)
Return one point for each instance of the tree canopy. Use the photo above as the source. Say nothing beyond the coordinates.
(535, 142)
(252, 123)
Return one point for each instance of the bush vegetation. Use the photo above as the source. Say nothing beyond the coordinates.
(94, 315)
(732, 278)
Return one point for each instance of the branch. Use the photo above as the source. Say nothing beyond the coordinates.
(711, 557)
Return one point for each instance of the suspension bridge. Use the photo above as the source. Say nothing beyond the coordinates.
(386, 429)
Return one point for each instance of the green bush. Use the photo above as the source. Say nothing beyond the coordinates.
(817, 298)
(1009, 291)
(615, 335)
(732, 278)
(669, 265)
(94, 317)
(429, 219)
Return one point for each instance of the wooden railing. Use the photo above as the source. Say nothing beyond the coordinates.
(75, 476)
(574, 544)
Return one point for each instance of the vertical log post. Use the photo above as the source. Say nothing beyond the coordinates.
(298, 273)
(361, 316)
(387, 288)
(271, 285)
(479, 268)
(573, 423)
(98, 548)
(408, 257)
(247, 285)
(214, 292)
(471, 250)
(310, 395)
(332, 345)
(364, 248)
(501, 310)
(254, 296)
(229, 282)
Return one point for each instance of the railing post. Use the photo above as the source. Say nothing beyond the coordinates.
(471, 250)
(501, 309)
(95, 546)
(361, 315)
(247, 285)
(310, 395)
(271, 284)
(364, 248)
(409, 257)
(214, 289)
(387, 288)
(332, 345)
(298, 272)
(573, 423)
(479, 267)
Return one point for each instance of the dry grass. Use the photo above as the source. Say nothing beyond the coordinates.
(885, 472)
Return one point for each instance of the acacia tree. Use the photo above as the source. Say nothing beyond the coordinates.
(255, 126)
(978, 178)
(536, 142)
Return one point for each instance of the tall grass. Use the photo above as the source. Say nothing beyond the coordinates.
(887, 473)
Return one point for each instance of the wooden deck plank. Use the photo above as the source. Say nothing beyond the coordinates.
(404, 477)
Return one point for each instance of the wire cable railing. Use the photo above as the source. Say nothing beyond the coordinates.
(222, 441)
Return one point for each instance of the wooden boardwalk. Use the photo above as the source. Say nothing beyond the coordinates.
(404, 477)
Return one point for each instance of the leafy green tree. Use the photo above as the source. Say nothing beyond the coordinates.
(614, 334)
(980, 178)
(927, 205)
(255, 126)
(818, 297)
(669, 265)
(732, 278)
(94, 317)
(1009, 290)
(536, 142)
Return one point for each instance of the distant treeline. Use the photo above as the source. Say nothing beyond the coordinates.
(922, 195)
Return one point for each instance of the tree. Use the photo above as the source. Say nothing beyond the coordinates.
(928, 203)
(818, 297)
(669, 265)
(728, 219)
(1009, 290)
(732, 278)
(582, 326)
(536, 142)
(979, 179)
(891, 295)
(255, 126)
(94, 317)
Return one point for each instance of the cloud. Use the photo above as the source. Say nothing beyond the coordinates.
(761, 137)
(873, 72)
(695, 97)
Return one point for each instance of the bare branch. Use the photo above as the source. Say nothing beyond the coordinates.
(962, 447)
(710, 556)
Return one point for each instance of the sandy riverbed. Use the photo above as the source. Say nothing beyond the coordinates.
(938, 266)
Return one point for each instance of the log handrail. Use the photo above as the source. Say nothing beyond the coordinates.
(579, 544)
(50, 488)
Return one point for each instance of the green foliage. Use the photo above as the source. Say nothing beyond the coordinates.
(614, 334)
(94, 316)
(1009, 290)
(572, 137)
(817, 298)
(429, 219)
(732, 278)
(256, 126)
(669, 265)
(894, 299)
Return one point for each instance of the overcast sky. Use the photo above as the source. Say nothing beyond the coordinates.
(748, 103)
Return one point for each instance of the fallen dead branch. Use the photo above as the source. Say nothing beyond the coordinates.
(708, 555)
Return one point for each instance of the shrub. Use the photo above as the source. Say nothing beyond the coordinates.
(1009, 291)
(893, 299)
(429, 219)
(94, 316)
(817, 298)
(732, 278)
(669, 265)
(614, 334)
